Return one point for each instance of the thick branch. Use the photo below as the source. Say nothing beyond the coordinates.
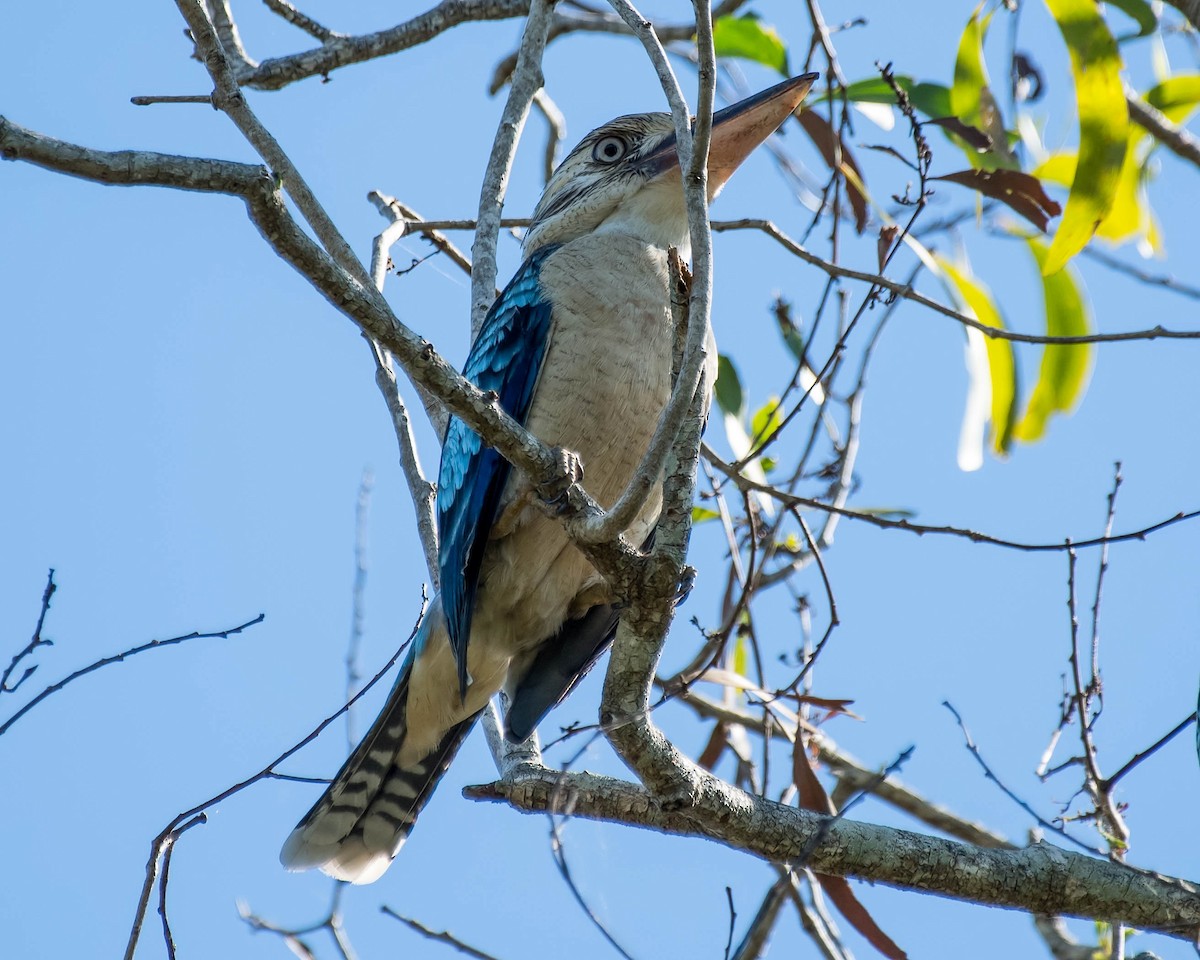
(527, 80)
(1040, 879)
(1171, 135)
(692, 147)
(617, 561)
(228, 98)
(341, 51)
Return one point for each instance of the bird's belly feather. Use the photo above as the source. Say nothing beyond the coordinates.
(604, 382)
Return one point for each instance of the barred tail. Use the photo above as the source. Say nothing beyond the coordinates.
(363, 818)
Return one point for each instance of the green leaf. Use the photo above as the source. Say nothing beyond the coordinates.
(703, 514)
(1140, 12)
(747, 38)
(1103, 126)
(1065, 367)
(792, 337)
(1001, 364)
(728, 388)
(932, 99)
(766, 421)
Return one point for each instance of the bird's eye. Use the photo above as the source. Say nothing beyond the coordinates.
(609, 150)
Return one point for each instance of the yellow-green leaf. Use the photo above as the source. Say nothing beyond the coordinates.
(1057, 168)
(703, 514)
(970, 71)
(1065, 368)
(1001, 366)
(1103, 126)
(766, 420)
(972, 103)
(1130, 211)
(1176, 97)
(741, 656)
(749, 39)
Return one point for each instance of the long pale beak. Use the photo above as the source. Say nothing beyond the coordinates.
(737, 130)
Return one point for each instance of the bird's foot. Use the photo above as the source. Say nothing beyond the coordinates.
(679, 796)
(687, 580)
(569, 471)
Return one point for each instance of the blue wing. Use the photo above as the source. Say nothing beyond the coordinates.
(506, 357)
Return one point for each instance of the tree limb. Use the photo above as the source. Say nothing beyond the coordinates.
(1041, 878)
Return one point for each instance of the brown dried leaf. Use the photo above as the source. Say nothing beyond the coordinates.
(887, 236)
(715, 747)
(827, 141)
(838, 890)
(834, 706)
(812, 794)
(972, 136)
(1021, 191)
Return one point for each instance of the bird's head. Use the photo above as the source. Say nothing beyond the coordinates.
(624, 177)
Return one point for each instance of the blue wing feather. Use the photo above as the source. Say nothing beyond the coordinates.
(506, 357)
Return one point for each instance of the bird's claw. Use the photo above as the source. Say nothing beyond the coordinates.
(569, 471)
(687, 580)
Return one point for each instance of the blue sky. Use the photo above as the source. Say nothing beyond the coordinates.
(188, 423)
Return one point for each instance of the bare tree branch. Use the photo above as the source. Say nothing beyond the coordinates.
(445, 936)
(302, 21)
(37, 640)
(1041, 878)
(526, 81)
(120, 658)
(342, 51)
(1171, 135)
(908, 293)
(165, 838)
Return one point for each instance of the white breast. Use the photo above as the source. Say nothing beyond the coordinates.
(604, 382)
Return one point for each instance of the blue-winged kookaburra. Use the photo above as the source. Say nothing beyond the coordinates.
(578, 348)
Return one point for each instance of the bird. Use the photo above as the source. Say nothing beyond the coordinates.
(578, 349)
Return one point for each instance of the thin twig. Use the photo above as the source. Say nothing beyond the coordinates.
(164, 879)
(905, 291)
(122, 656)
(692, 144)
(267, 772)
(35, 641)
(301, 21)
(560, 859)
(754, 944)
(987, 772)
(1168, 282)
(444, 936)
(1151, 750)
